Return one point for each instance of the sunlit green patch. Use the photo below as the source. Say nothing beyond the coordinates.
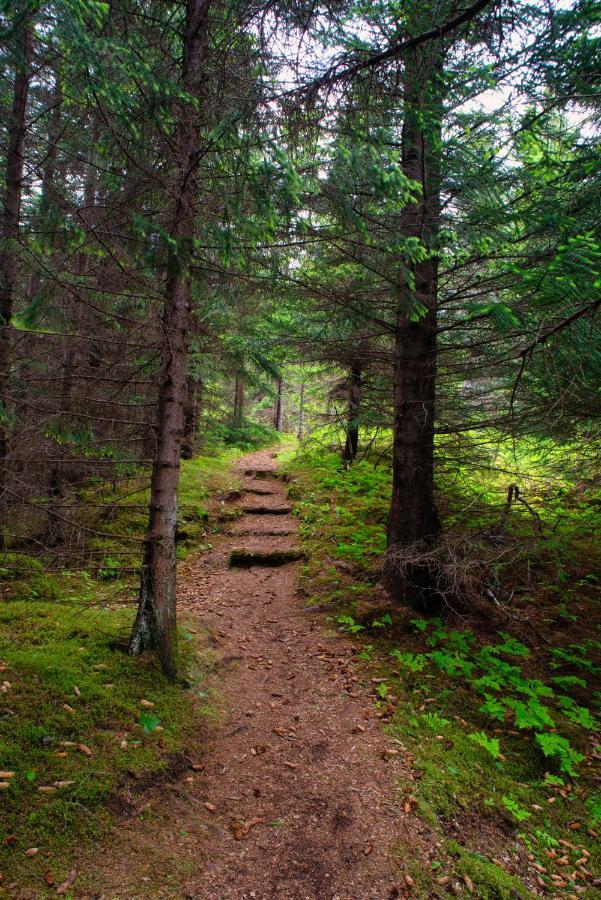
(77, 721)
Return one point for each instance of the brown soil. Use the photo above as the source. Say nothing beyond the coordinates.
(301, 794)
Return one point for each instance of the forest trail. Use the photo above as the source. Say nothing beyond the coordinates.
(300, 793)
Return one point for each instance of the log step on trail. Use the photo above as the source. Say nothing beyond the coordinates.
(267, 510)
(261, 492)
(260, 473)
(271, 532)
(241, 558)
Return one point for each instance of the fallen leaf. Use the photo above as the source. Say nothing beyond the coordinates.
(4, 775)
(84, 749)
(289, 765)
(76, 691)
(68, 883)
(68, 708)
(409, 880)
(49, 878)
(468, 883)
(46, 789)
(210, 806)
(4, 785)
(62, 784)
(368, 849)
(147, 704)
(33, 851)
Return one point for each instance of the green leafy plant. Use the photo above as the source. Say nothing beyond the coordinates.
(149, 722)
(382, 622)
(531, 714)
(579, 715)
(491, 745)
(517, 812)
(412, 662)
(494, 708)
(434, 721)
(349, 624)
(559, 746)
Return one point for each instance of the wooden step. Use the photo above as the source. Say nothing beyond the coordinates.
(245, 558)
(267, 510)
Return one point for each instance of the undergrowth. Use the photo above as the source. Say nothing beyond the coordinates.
(79, 719)
(81, 722)
(501, 726)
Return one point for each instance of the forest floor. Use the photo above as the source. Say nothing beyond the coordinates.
(297, 792)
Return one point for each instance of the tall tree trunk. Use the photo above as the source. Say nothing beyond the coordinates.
(278, 414)
(191, 416)
(238, 402)
(413, 521)
(355, 386)
(51, 197)
(155, 625)
(301, 412)
(9, 225)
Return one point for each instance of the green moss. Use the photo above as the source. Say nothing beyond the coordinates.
(490, 881)
(71, 684)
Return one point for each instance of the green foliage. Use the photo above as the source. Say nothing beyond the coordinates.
(73, 685)
(494, 708)
(349, 624)
(555, 745)
(518, 813)
(412, 662)
(491, 745)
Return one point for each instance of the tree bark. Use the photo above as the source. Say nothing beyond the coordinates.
(191, 417)
(155, 625)
(413, 520)
(9, 230)
(355, 386)
(301, 412)
(278, 415)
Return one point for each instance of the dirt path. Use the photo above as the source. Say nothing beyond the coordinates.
(301, 793)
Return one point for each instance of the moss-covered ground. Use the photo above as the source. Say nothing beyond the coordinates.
(82, 724)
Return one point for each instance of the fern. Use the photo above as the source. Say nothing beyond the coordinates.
(531, 714)
(564, 682)
(434, 721)
(546, 839)
(349, 624)
(556, 745)
(412, 662)
(488, 682)
(512, 806)
(579, 715)
(564, 657)
(453, 663)
(493, 708)
(491, 745)
(382, 622)
(510, 646)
